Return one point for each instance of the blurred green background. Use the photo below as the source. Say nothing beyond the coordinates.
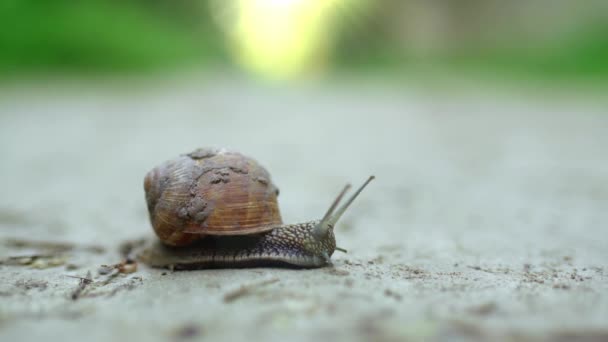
(543, 39)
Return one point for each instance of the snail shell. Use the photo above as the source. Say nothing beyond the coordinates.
(210, 192)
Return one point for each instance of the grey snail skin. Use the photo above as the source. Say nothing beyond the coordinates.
(215, 208)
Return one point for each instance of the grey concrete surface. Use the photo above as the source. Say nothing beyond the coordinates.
(488, 218)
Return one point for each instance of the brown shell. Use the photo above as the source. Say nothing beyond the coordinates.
(210, 192)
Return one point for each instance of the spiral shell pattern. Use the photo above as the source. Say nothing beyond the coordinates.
(210, 192)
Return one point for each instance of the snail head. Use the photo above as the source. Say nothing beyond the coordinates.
(331, 217)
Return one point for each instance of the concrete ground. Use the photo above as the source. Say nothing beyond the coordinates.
(488, 218)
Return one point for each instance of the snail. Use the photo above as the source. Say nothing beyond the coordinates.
(218, 208)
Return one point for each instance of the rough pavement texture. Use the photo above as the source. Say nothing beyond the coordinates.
(487, 219)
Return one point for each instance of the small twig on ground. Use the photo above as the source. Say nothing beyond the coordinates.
(81, 285)
(110, 278)
(126, 266)
(100, 291)
(128, 286)
(112, 271)
(246, 290)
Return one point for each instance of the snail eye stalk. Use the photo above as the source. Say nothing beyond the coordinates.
(330, 219)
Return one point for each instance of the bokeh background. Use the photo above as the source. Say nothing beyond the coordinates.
(545, 39)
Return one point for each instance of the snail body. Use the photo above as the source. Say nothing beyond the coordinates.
(219, 208)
